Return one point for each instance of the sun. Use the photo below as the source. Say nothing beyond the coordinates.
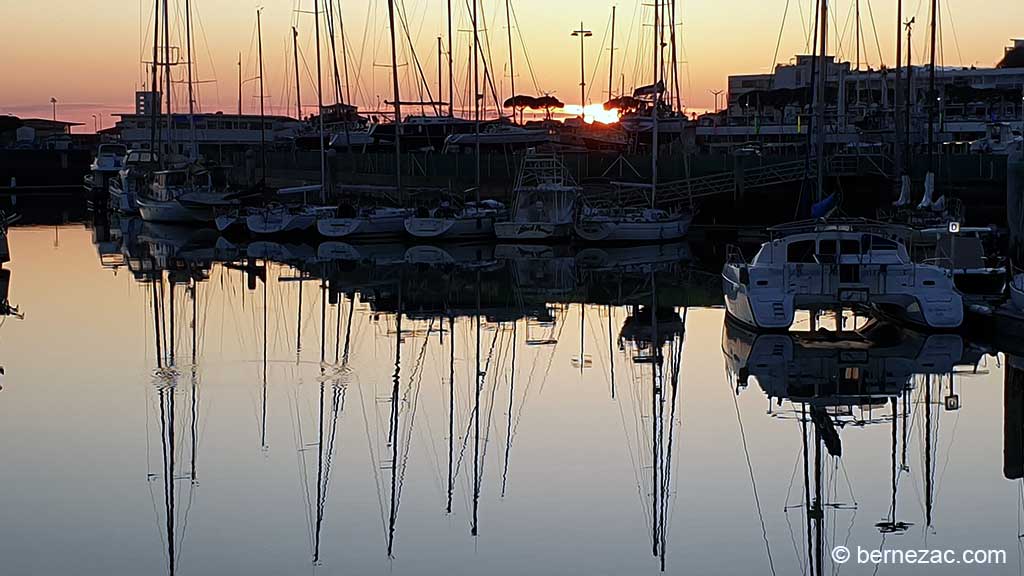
(593, 113)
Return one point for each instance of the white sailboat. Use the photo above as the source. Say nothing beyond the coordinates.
(649, 224)
(545, 199)
(447, 222)
(283, 219)
(190, 195)
(364, 222)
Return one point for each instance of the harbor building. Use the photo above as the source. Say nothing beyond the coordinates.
(773, 111)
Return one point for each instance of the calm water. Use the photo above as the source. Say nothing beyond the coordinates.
(455, 412)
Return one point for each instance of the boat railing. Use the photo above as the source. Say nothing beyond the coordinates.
(734, 255)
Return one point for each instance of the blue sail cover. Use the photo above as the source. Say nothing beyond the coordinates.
(821, 209)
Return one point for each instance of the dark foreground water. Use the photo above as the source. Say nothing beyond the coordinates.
(172, 404)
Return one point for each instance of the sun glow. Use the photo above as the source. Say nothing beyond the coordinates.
(593, 113)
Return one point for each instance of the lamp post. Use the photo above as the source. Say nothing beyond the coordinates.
(53, 101)
(717, 93)
(95, 124)
(583, 34)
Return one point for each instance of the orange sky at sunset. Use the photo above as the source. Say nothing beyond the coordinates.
(87, 53)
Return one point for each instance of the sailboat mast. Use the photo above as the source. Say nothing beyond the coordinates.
(675, 61)
(344, 54)
(263, 127)
(932, 96)
(329, 6)
(193, 153)
(451, 66)
(476, 97)
(657, 102)
(511, 55)
(397, 99)
(440, 78)
(320, 105)
(239, 83)
(168, 86)
(898, 96)
(822, 84)
(154, 89)
(298, 85)
(611, 61)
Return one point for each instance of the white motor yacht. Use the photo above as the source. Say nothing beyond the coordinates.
(823, 265)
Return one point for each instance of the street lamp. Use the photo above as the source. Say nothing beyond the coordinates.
(54, 102)
(95, 124)
(717, 93)
(583, 34)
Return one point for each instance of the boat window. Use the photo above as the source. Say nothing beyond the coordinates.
(827, 251)
(870, 243)
(849, 247)
(800, 252)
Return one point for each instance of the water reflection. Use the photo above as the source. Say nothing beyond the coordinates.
(467, 409)
(831, 381)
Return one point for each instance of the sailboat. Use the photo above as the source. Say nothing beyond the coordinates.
(452, 221)
(631, 224)
(279, 218)
(193, 193)
(545, 198)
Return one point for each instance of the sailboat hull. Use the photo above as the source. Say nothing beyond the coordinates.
(533, 231)
(279, 222)
(172, 211)
(451, 228)
(613, 230)
(364, 227)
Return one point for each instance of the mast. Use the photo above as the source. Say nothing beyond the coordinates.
(476, 97)
(511, 55)
(675, 61)
(451, 66)
(168, 86)
(193, 154)
(239, 83)
(657, 101)
(611, 61)
(263, 128)
(910, 96)
(440, 80)
(329, 8)
(898, 96)
(822, 84)
(397, 99)
(298, 88)
(154, 89)
(932, 96)
(320, 105)
(344, 54)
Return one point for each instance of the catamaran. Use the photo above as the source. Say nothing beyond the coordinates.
(824, 265)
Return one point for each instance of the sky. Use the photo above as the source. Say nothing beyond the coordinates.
(87, 53)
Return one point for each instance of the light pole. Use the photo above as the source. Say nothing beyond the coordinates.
(717, 93)
(95, 124)
(583, 34)
(54, 102)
